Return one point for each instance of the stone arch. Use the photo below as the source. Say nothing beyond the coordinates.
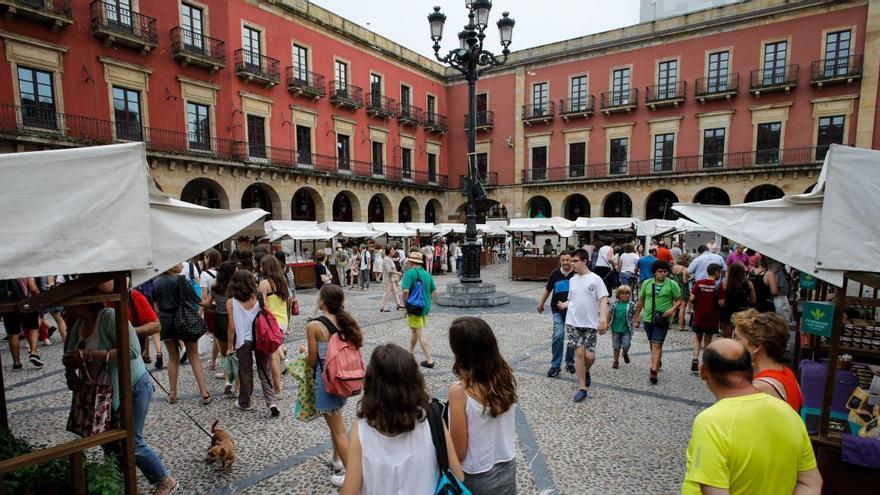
(407, 209)
(576, 205)
(205, 192)
(379, 208)
(434, 212)
(712, 196)
(346, 207)
(260, 195)
(307, 204)
(539, 205)
(659, 205)
(764, 192)
(617, 204)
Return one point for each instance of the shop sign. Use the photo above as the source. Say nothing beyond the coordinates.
(807, 281)
(818, 318)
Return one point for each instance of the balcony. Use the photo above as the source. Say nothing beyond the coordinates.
(772, 80)
(485, 121)
(304, 83)
(538, 113)
(254, 67)
(489, 179)
(670, 94)
(55, 13)
(619, 101)
(380, 106)
(346, 96)
(410, 115)
(717, 87)
(121, 26)
(190, 48)
(836, 70)
(577, 108)
(711, 162)
(435, 123)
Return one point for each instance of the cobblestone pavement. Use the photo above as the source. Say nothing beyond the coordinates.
(629, 437)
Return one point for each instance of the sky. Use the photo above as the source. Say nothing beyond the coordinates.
(538, 22)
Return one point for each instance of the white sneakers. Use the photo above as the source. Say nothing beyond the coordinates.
(336, 464)
(337, 480)
(338, 476)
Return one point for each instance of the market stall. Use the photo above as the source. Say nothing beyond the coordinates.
(830, 235)
(292, 234)
(532, 264)
(617, 227)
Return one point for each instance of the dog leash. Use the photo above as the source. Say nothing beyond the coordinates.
(181, 409)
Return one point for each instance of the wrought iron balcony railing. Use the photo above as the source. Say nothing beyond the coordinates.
(489, 179)
(254, 66)
(435, 122)
(578, 106)
(538, 112)
(197, 49)
(56, 13)
(833, 70)
(774, 79)
(715, 87)
(117, 24)
(303, 82)
(619, 101)
(410, 115)
(381, 106)
(485, 120)
(666, 94)
(346, 95)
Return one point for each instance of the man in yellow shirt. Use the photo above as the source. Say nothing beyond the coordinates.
(748, 443)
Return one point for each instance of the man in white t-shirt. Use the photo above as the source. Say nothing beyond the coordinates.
(628, 262)
(586, 316)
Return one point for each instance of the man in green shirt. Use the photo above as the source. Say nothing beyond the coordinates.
(417, 323)
(660, 298)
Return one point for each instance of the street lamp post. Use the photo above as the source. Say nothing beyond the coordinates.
(472, 61)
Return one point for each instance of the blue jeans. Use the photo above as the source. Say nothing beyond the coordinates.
(459, 262)
(558, 343)
(145, 458)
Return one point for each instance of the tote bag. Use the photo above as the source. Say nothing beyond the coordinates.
(90, 408)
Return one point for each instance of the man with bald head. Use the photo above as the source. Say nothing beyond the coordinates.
(748, 442)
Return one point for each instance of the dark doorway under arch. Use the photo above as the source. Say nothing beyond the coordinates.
(617, 204)
(659, 205)
(712, 196)
(764, 192)
(576, 206)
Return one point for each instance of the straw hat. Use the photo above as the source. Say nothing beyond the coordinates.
(415, 257)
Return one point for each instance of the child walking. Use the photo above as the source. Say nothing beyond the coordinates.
(706, 299)
(622, 310)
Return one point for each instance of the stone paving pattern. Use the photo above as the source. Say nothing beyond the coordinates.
(628, 437)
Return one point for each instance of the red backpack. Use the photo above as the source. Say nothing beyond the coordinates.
(344, 368)
(268, 335)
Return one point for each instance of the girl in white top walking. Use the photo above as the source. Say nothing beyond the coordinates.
(481, 409)
(390, 448)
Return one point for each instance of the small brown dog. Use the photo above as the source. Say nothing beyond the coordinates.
(222, 447)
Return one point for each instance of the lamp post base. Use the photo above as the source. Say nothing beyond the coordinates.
(471, 295)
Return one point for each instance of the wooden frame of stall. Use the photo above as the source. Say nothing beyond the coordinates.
(68, 294)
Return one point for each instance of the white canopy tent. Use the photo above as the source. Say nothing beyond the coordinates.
(393, 229)
(559, 225)
(657, 227)
(585, 224)
(832, 229)
(350, 229)
(297, 230)
(113, 220)
(442, 229)
(422, 228)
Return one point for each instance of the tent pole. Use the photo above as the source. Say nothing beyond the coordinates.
(126, 416)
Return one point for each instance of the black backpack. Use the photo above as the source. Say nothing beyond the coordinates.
(11, 291)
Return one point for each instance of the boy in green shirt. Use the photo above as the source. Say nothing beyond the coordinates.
(622, 311)
(660, 297)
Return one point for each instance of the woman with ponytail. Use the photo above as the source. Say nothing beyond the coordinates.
(481, 408)
(334, 319)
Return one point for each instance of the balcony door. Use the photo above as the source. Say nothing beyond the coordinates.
(250, 41)
(341, 74)
(375, 91)
(769, 140)
(578, 94)
(192, 27)
(620, 87)
(37, 98)
(127, 112)
(718, 72)
(118, 13)
(300, 65)
(539, 163)
(667, 77)
(256, 131)
(540, 99)
(774, 62)
(837, 45)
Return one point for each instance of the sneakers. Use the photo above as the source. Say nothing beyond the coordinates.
(615, 364)
(589, 379)
(46, 341)
(695, 366)
(206, 400)
(183, 358)
(274, 411)
(553, 372)
(336, 464)
(159, 361)
(35, 360)
(227, 389)
(428, 365)
(17, 367)
(625, 357)
(248, 407)
(652, 377)
(168, 486)
(570, 368)
(580, 395)
(219, 374)
(337, 480)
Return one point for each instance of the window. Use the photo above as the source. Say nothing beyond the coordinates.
(664, 149)
(713, 147)
(378, 158)
(620, 87)
(432, 167)
(251, 43)
(405, 100)
(837, 46)
(192, 27)
(540, 98)
(830, 132)
(343, 152)
(577, 159)
(539, 162)
(37, 98)
(127, 112)
(667, 77)
(301, 64)
(482, 161)
(375, 91)
(303, 145)
(482, 109)
(719, 65)
(406, 163)
(198, 126)
(578, 94)
(767, 146)
(256, 130)
(118, 12)
(774, 62)
(341, 74)
(432, 108)
(618, 150)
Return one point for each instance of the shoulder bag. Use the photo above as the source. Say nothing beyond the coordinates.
(447, 483)
(91, 405)
(188, 325)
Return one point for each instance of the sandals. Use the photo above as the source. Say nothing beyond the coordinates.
(206, 400)
(171, 398)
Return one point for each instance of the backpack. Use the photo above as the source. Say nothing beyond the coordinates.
(415, 303)
(11, 290)
(344, 368)
(268, 335)
(194, 280)
(341, 257)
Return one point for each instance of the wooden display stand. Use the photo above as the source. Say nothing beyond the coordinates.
(303, 274)
(533, 267)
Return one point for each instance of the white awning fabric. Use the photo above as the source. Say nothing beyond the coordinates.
(583, 224)
(393, 229)
(559, 225)
(350, 229)
(297, 230)
(657, 227)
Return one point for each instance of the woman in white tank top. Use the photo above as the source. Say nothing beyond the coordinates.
(482, 409)
(390, 449)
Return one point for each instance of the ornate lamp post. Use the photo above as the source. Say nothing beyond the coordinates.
(472, 61)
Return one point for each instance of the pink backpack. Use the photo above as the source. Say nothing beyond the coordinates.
(343, 366)
(268, 335)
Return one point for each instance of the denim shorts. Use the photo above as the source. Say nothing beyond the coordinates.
(621, 340)
(656, 331)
